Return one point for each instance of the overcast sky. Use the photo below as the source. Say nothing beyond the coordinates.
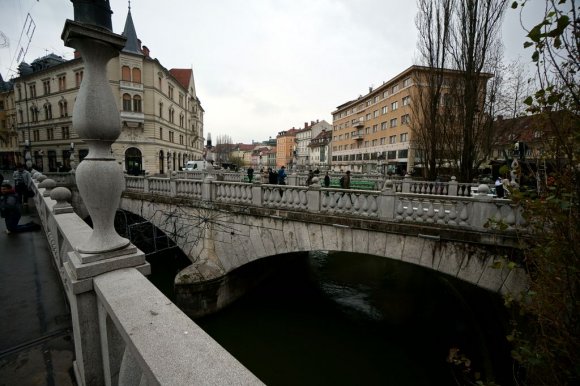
(260, 66)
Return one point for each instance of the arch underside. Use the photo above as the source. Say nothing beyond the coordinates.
(218, 242)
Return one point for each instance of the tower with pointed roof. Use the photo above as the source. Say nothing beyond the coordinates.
(161, 116)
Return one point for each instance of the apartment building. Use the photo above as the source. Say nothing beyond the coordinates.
(373, 131)
(286, 148)
(304, 137)
(161, 115)
(319, 150)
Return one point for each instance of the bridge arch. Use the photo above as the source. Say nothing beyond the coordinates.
(220, 238)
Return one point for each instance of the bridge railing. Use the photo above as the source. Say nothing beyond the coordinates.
(125, 330)
(397, 202)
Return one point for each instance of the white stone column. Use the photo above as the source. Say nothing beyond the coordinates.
(96, 120)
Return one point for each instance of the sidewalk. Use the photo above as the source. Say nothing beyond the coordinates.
(36, 346)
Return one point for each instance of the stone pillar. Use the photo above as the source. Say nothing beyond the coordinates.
(453, 187)
(257, 194)
(407, 184)
(173, 187)
(387, 203)
(313, 198)
(207, 187)
(146, 185)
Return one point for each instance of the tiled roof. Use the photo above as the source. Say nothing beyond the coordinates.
(182, 75)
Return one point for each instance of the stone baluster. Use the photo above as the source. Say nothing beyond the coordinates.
(314, 198)
(387, 201)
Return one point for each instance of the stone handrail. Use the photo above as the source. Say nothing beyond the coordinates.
(478, 212)
(125, 330)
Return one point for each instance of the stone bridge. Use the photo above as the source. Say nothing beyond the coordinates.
(224, 225)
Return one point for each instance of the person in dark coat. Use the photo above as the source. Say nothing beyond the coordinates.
(10, 211)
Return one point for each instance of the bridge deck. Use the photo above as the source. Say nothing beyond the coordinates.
(36, 344)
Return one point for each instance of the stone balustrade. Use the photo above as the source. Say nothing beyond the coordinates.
(444, 204)
(125, 330)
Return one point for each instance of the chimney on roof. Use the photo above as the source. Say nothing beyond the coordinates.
(306, 125)
(312, 123)
(370, 89)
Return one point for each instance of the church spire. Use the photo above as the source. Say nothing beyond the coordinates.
(132, 45)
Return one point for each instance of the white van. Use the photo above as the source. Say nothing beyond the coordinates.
(192, 166)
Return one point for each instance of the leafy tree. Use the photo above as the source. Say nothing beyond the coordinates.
(548, 344)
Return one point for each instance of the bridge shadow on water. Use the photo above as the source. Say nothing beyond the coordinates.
(346, 319)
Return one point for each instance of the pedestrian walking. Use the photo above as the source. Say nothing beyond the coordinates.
(22, 184)
(250, 174)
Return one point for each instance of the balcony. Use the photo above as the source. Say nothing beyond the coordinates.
(358, 123)
(357, 136)
(126, 85)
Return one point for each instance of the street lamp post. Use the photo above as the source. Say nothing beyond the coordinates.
(72, 157)
(27, 155)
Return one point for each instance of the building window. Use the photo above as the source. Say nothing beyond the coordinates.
(161, 133)
(50, 133)
(47, 111)
(394, 122)
(32, 89)
(171, 115)
(395, 88)
(406, 100)
(137, 103)
(33, 114)
(384, 110)
(65, 132)
(392, 139)
(126, 102)
(407, 82)
(405, 119)
(36, 135)
(181, 139)
(375, 113)
(62, 83)
(403, 153)
(171, 136)
(375, 128)
(375, 142)
(392, 154)
(136, 75)
(394, 106)
(78, 78)
(181, 99)
(63, 108)
(404, 137)
(383, 140)
(46, 86)
(181, 120)
(126, 73)
(160, 110)
(170, 91)
(368, 117)
(384, 125)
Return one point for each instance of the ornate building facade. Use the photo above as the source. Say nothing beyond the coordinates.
(161, 115)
